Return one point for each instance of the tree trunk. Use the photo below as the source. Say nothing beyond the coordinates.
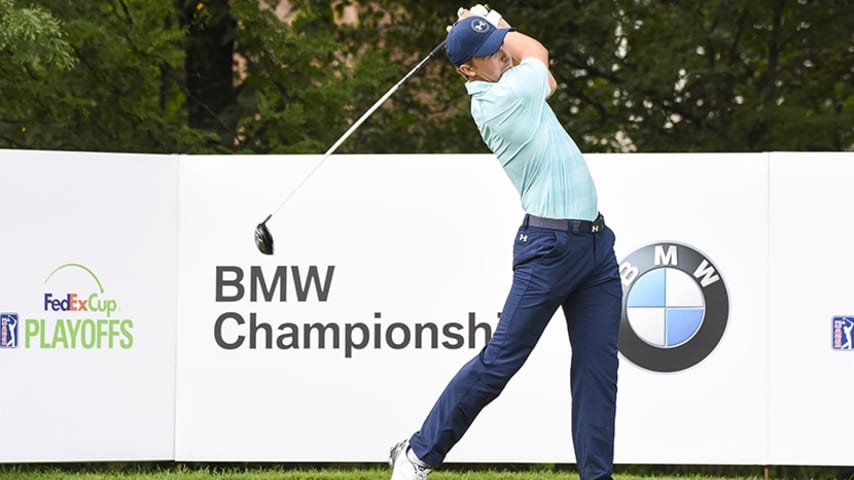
(209, 51)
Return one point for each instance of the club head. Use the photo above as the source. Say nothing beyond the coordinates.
(263, 238)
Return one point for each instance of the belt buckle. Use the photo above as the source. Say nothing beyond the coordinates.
(597, 225)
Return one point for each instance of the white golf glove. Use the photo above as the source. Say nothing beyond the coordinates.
(479, 10)
(492, 16)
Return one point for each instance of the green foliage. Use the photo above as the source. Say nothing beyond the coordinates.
(31, 38)
(32, 46)
(428, 114)
(713, 76)
(298, 80)
(634, 75)
(121, 94)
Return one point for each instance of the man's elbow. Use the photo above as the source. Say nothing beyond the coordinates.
(542, 53)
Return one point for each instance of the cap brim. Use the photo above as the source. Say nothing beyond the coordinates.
(493, 42)
(488, 47)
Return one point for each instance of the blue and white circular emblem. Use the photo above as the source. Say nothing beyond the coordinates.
(675, 307)
(665, 307)
(479, 26)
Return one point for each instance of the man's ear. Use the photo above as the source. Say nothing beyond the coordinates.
(466, 71)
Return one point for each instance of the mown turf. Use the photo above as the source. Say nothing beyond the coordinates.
(29, 472)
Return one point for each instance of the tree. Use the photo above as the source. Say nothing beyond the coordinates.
(241, 76)
(210, 30)
(31, 46)
(713, 76)
(122, 93)
(638, 75)
(643, 75)
(430, 113)
(300, 77)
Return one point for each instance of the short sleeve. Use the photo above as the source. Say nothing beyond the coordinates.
(528, 80)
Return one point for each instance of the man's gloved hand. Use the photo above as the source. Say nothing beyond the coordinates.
(490, 15)
(479, 10)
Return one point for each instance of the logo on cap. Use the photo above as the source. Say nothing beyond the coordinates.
(479, 26)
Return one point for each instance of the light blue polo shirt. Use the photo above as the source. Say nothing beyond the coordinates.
(541, 159)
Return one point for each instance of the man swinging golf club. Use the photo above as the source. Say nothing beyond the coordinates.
(563, 255)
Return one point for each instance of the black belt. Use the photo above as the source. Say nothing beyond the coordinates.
(577, 226)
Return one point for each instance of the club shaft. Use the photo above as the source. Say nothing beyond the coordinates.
(382, 100)
(358, 123)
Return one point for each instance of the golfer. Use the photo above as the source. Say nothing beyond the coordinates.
(563, 255)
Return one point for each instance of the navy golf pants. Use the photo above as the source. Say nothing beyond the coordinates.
(551, 268)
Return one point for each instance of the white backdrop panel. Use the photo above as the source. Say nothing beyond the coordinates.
(64, 398)
(811, 260)
(405, 241)
(716, 203)
(416, 240)
(428, 239)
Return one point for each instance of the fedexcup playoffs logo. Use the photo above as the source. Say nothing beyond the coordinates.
(76, 311)
(675, 307)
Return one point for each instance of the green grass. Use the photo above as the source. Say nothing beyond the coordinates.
(169, 471)
(307, 474)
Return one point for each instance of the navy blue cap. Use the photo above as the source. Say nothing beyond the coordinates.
(473, 37)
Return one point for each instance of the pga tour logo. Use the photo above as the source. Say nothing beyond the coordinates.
(843, 333)
(8, 330)
(675, 307)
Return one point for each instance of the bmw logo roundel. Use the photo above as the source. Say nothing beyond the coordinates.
(675, 307)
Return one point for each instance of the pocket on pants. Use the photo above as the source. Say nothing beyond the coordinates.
(532, 244)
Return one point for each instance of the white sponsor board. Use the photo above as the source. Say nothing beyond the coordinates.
(88, 275)
(417, 240)
(388, 275)
(811, 252)
(379, 244)
(714, 411)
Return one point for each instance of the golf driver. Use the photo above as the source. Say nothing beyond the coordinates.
(263, 238)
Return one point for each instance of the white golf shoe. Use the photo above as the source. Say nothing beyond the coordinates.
(401, 467)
